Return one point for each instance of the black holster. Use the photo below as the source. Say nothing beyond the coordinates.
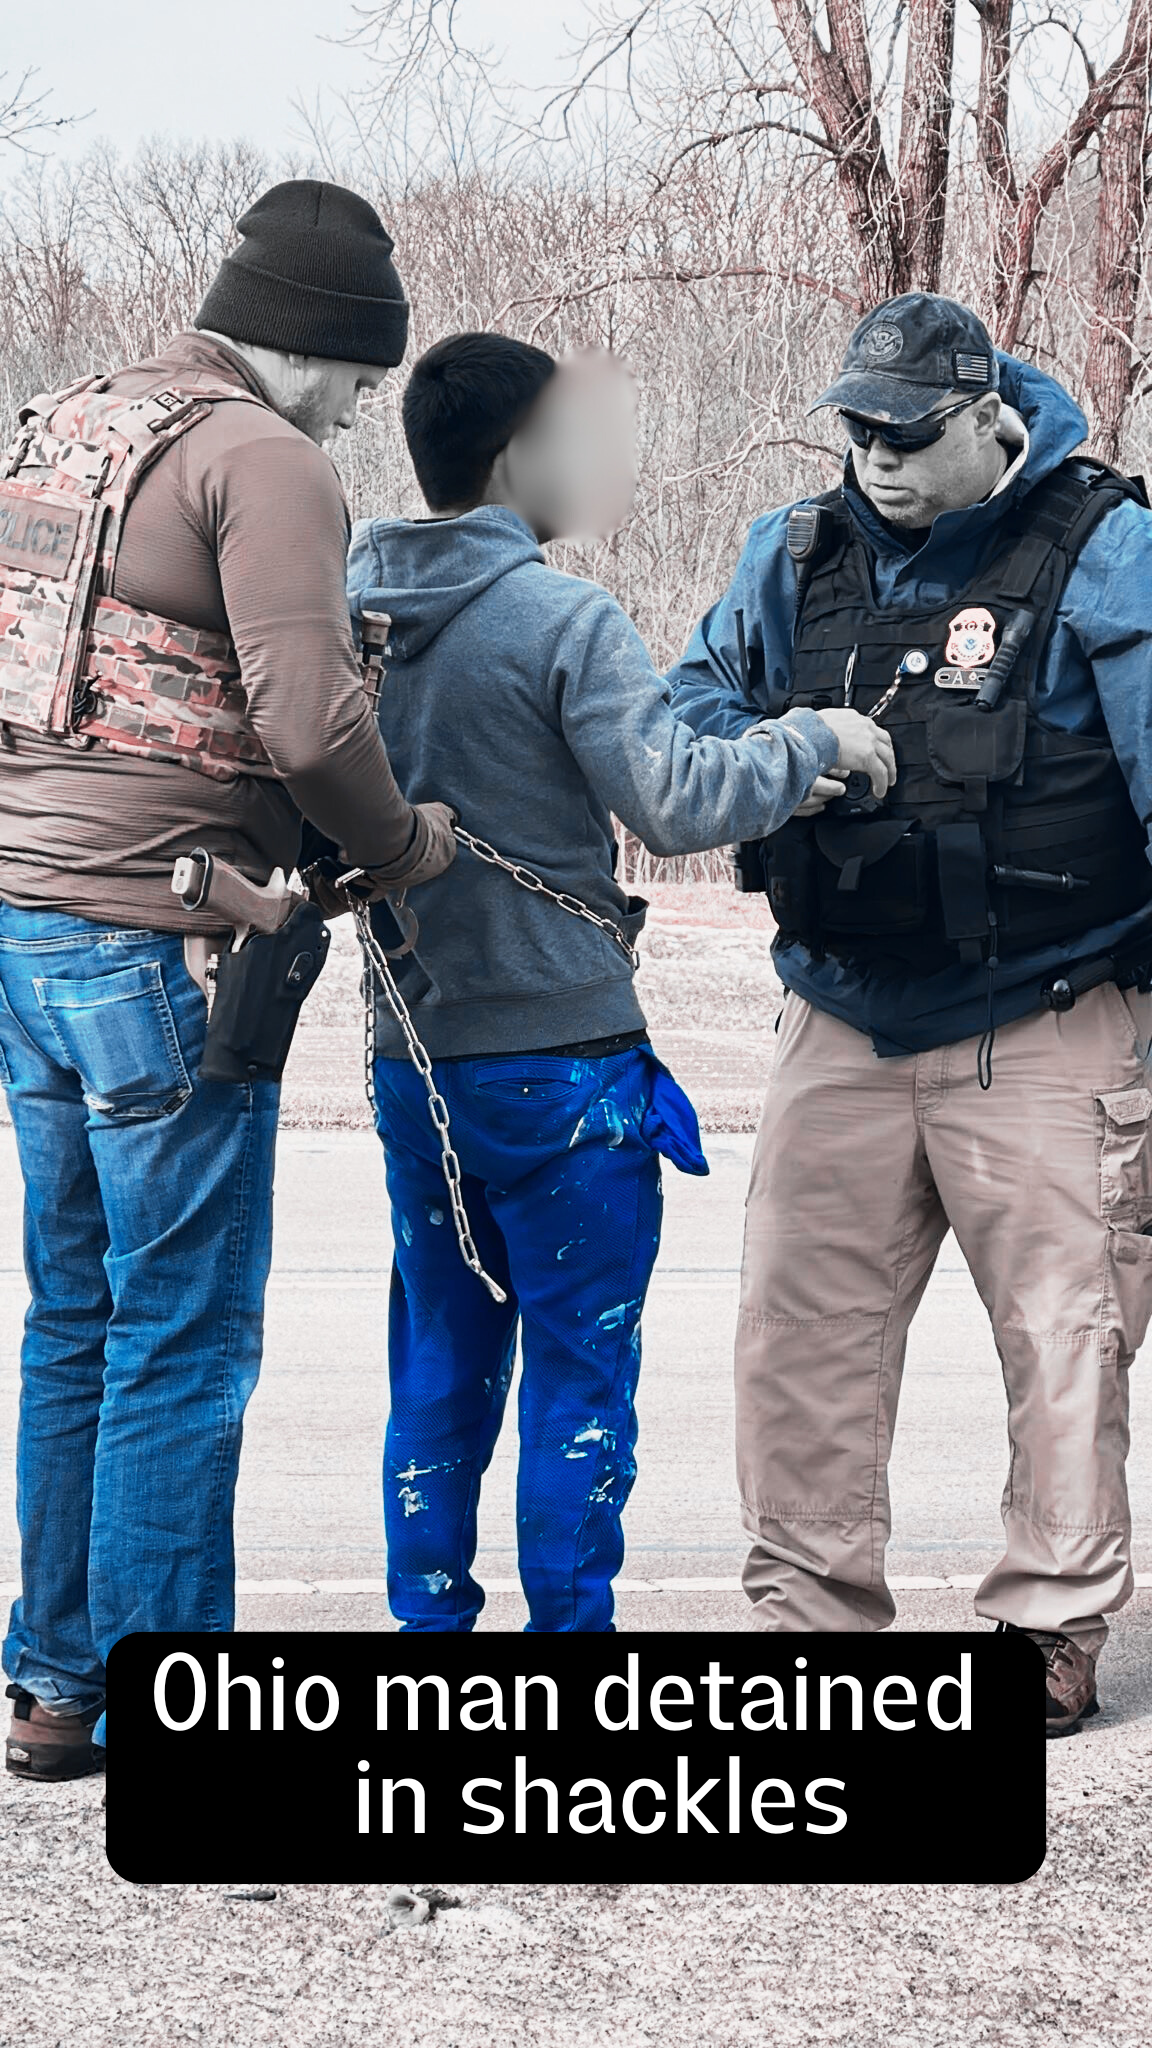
(259, 991)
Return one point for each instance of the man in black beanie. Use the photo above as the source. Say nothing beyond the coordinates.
(313, 299)
(218, 701)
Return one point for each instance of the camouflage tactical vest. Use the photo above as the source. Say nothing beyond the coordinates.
(76, 665)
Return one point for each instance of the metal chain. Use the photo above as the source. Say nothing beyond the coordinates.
(369, 997)
(437, 1107)
(528, 880)
(376, 963)
(889, 697)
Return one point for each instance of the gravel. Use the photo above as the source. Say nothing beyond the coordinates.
(89, 1961)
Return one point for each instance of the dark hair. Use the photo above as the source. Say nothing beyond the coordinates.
(465, 399)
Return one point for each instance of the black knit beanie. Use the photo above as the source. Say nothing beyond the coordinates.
(313, 274)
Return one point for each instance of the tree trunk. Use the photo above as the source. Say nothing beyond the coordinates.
(993, 155)
(1112, 359)
(837, 85)
(924, 142)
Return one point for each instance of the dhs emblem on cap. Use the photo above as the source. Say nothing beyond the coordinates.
(882, 344)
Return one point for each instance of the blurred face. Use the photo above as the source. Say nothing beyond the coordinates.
(320, 396)
(958, 470)
(571, 468)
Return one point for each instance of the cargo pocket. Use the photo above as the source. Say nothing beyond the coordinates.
(118, 1032)
(1126, 1159)
(1126, 1206)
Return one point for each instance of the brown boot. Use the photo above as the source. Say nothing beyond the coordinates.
(50, 1746)
(1071, 1690)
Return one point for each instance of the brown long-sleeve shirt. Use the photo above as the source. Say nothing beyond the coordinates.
(240, 527)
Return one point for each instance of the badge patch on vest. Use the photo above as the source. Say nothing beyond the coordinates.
(971, 645)
(35, 537)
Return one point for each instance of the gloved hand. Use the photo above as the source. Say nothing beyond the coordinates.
(431, 849)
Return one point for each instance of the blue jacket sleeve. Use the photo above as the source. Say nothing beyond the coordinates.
(707, 687)
(1106, 604)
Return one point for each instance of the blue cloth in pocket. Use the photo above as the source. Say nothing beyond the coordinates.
(670, 1124)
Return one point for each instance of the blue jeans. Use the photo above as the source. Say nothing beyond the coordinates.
(562, 1187)
(147, 1241)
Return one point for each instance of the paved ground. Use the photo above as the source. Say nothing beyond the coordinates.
(309, 1502)
(87, 1961)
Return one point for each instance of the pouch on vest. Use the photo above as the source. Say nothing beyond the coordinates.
(259, 991)
(51, 556)
(788, 866)
(875, 875)
(973, 748)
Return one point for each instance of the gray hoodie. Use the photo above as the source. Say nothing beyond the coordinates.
(526, 698)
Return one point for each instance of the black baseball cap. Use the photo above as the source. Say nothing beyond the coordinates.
(908, 354)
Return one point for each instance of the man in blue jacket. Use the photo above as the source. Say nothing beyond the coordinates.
(526, 698)
(966, 1031)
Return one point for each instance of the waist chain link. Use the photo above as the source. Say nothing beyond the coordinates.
(377, 969)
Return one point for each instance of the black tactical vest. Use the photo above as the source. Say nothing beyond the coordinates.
(1001, 833)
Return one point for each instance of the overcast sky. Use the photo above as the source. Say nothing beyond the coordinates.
(224, 68)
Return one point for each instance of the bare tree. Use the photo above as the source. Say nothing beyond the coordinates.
(1017, 202)
(709, 195)
(1114, 356)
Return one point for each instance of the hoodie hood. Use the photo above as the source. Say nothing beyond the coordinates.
(1052, 419)
(1041, 427)
(423, 572)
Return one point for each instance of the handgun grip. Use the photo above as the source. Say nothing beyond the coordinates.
(204, 882)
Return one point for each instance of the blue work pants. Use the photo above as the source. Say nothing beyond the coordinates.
(562, 1186)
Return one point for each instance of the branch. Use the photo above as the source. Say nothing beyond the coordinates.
(720, 135)
(730, 462)
(624, 39)
(1097, 104)
(20, 114)
(1073, 34)
(571, 297)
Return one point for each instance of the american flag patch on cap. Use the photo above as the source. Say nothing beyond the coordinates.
(969, 369)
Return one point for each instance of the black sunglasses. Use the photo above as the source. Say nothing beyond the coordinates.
(905, 440)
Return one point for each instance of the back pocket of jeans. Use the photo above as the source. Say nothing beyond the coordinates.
(118, 1032)
(529, 1080)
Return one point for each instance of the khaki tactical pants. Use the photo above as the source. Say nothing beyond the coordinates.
(860, 1167)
